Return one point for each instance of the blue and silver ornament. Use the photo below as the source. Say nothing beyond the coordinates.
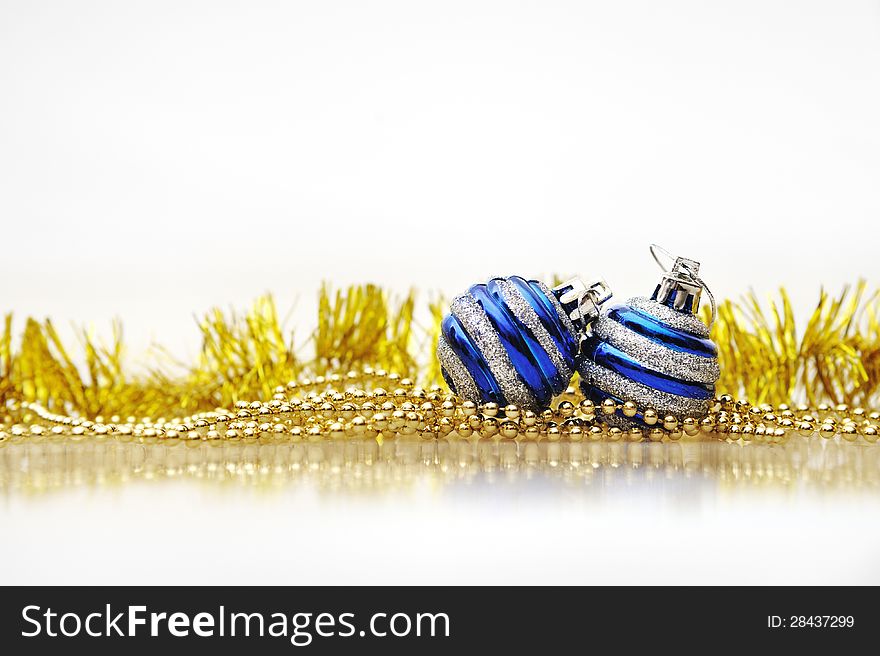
(654, 351)
(515, 341)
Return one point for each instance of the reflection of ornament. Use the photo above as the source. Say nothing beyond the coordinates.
(515, 341)
(655, 352)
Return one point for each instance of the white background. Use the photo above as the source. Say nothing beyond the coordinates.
(158, 158)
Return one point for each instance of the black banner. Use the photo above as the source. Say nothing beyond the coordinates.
(430, 620)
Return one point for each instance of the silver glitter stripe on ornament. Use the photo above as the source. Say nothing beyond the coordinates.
(563, 317)
(689, 323)
(461, 377)
(616, 421)
(524, 313)
(655, 356)
(475, 321)
(613, 384)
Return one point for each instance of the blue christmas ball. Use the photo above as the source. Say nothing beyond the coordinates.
(509, 341)
(656, 354)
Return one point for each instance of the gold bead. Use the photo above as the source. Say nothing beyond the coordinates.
(529, 418)
(444, 426)
(707, 425)
(587, 407)
(614, 434)
(488, 427)
(566, 408)
(651, 417)
(469, 408)
(629, 409)
(849, 432)
(511, 412)
(509, 429)
(553, 434)
(609, 407)
(870, 434)
(805, 428)
(689, 426)
(595, 433)
(397, 420)
(464, 430)
(576, 434)
(670, 423)
(380, 421)
(532, 432)
(655, 434)
(634, 434)
(489, 409)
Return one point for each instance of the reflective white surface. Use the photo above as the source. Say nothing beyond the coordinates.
(418, 513)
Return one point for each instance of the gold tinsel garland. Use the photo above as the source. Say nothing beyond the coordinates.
(763, 357)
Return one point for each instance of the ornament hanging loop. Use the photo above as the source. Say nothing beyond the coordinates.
(657, 251)
(682, 283)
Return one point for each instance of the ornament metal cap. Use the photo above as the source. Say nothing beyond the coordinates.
(581, 301)
(681, 286)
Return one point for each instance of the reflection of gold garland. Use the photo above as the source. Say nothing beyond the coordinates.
(367, 465)
(245, 356)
